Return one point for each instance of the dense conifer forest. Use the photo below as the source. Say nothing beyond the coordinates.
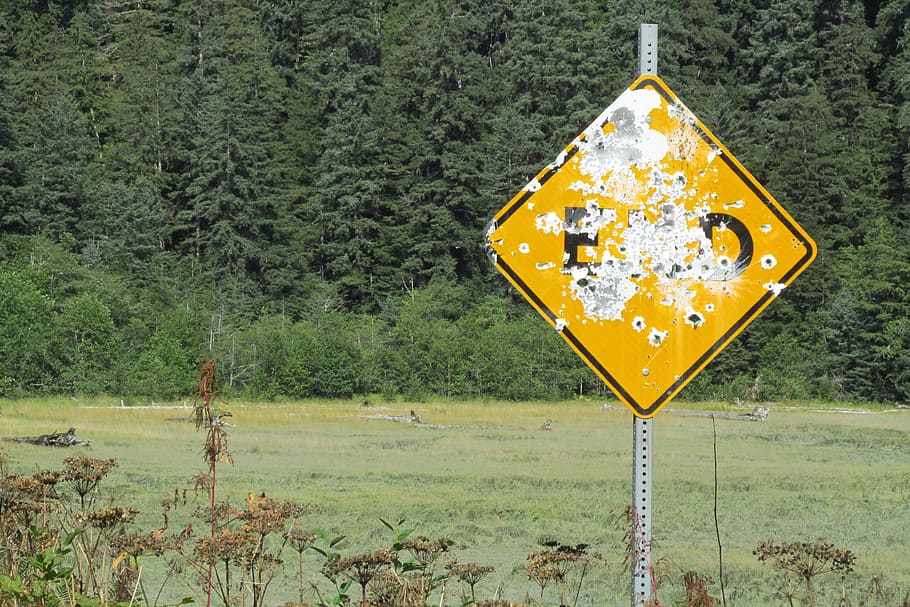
(300, 188)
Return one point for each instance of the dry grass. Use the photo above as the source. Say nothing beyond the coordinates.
(485, 475)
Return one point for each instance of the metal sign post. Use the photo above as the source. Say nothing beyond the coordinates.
(642, 580)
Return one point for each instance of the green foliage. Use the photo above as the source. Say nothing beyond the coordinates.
(163, 164)
(24, 314)
(48, 573)
(301, 359)
(166, 366)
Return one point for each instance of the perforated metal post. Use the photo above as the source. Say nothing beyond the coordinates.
(642, 590)
(642, 439)
(647, 49)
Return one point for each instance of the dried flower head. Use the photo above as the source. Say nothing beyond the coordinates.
(229, 546)
(426, 551)
(48, 478)
(263, 515)
(83, 474)
(17, 488)
(299, 540)
(361, 568)
(391, 589)
(22, 496)
(549, 565)
(107, 518)
(806, 560)
(470, 573)
(140, 544)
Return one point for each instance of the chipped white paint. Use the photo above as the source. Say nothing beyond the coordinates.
(550, 223)
(608, 156)
(647, 245)
(672, 250)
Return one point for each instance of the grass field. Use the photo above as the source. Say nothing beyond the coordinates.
(486, 476)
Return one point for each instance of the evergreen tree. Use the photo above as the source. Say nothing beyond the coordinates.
(10, 170)
(46, 83)
(345, 202)
(227, 188)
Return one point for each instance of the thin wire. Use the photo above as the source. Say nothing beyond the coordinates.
(720, 550)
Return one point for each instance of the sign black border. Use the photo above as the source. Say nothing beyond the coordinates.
(724, 339)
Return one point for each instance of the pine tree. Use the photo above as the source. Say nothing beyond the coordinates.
(345, 202)
(46, 85)
(226, 190)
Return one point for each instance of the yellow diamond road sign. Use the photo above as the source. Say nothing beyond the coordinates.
(647, 245)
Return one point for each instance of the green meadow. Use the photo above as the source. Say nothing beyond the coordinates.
(488, 477)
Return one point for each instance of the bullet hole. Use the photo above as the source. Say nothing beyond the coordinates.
(655, 338)
(768, 262)
(775, 287)
(638, 323)
(695, 319)
(524, 248)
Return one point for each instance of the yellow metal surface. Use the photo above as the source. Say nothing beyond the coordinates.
(647, 245)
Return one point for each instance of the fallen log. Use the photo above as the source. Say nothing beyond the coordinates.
(757, 414)
(55, 439)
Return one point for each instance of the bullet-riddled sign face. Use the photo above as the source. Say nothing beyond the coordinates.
(647, 245)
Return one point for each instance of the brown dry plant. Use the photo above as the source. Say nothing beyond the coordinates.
(806, 561)
(361, 568)
(471, 574)
(554, 565)
(696, 586)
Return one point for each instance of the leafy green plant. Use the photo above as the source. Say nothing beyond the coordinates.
(46, 571)
(399, 535)
(327, 548)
